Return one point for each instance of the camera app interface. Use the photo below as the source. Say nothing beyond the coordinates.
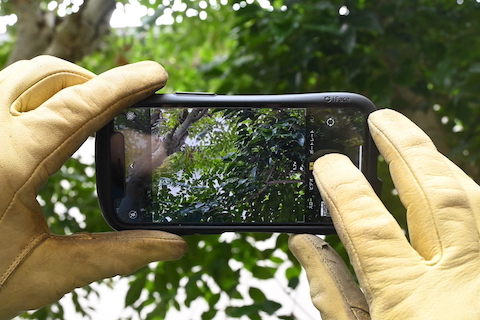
(231, 165)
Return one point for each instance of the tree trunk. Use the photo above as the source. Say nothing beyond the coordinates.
(71, 37)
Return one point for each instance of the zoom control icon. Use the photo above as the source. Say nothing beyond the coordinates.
(330, 122)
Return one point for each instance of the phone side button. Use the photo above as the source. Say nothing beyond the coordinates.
(195, 93)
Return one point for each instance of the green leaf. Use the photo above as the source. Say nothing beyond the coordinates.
(271, 306)
(293, 275)
(135, 290)
(276, 260)
(263, 272)
(257, 295)
(237, 312)
(293, 282)
(209, 314)
(212, 301)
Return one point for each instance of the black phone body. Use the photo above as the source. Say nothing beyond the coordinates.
(191, 163)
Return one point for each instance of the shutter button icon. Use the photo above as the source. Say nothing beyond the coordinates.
(133, 214)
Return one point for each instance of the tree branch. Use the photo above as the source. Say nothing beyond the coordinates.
(269, 182)
(81, 33)
(176, 138)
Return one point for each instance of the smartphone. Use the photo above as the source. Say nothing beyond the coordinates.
(191, 163)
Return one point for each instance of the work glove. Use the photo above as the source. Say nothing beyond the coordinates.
(435, 275)
(48, 107)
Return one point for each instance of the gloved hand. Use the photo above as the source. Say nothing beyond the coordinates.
(48, 107)
(435, 275)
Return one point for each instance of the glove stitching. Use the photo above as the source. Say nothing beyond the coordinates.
(92, 236)
(322, 252)
(337, 279)
(57, 72)
(361, 309)
(22, 256)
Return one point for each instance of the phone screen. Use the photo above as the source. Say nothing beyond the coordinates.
(222, 165)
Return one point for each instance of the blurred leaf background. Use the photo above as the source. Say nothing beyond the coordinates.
(420, 57)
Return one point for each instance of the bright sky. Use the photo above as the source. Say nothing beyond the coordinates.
(130, 14)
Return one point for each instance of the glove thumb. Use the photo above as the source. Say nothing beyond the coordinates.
(59, 264)
(332, 288)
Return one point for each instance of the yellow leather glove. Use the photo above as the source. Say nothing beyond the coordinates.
(48, 107)
(434, 276)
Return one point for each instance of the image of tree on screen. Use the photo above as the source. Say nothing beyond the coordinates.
(235, 165)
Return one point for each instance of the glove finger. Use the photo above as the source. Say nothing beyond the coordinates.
(366, 228)
(63, 122)
(62, 263)
(332, 288)
(28, 83)
(438, 207)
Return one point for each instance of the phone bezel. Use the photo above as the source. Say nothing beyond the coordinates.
(328, 100)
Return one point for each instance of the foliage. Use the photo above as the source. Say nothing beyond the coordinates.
(239, 162)
(420, 57)
(407, 56)
(212, 278)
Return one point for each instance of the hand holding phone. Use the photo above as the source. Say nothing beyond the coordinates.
(48, 107)
(432, 274)
(202, 163)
